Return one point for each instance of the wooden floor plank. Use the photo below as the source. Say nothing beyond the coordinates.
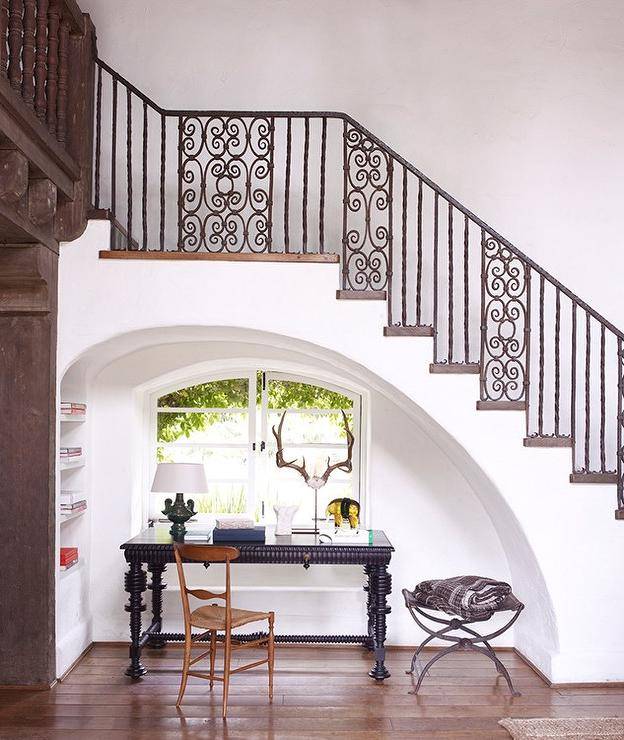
(319, 693)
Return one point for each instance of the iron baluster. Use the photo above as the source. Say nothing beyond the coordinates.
(144, 184)
(419, 255)
(322, 187)
(450, 283)
(540, 392)
(404, 250)
(587, 419)
(466, 294)
(98, 136)
(287, 187)
(163, 143)
(304, 206)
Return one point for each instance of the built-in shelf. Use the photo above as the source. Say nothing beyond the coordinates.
(74, 515)
(73, 418)
(75, 462)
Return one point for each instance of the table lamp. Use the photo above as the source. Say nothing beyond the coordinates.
(179, 478)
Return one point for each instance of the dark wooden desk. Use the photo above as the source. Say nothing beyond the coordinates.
(154, 548)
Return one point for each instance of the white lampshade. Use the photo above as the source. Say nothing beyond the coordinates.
(180, 478)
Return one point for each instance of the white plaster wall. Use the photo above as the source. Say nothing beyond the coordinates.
(416, 494)
(557, 538)
(514, 106)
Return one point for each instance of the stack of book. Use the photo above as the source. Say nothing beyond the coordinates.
(69, 557)
(70, 453)
(230, 529)
(197, 536)
(72, 502)
(75, 409)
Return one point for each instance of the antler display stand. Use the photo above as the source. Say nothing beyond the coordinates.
(314, 481)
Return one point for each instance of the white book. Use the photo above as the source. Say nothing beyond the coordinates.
(71, 497)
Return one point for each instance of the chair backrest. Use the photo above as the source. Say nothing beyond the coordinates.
(204, 554)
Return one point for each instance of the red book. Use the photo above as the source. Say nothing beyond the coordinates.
(68, 553)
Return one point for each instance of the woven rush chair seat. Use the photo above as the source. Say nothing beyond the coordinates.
(466, 599)
(213, 617)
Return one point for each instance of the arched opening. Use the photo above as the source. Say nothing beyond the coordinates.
(424, 489)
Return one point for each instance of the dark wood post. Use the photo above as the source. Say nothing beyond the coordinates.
(15, 43)
(28, 279)
(41, 53)
(28, 53)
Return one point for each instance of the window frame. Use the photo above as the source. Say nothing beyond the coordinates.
(258, 429)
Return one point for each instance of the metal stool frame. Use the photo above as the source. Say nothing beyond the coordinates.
(460, 643)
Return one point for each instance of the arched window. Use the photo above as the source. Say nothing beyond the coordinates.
(225, 423)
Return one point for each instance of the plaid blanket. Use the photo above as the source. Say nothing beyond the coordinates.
(465, 596)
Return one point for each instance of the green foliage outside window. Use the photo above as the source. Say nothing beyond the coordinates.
(233, 393)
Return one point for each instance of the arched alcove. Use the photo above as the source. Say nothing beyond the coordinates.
(443, 495)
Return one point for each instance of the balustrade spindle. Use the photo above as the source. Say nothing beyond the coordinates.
(573, 388)
(557, 359)
(4, 27)
(404, 249)
(271, 195)
(129, 165)
(54, 21)
(322, 187)
(41, 42)
(419, 254)
(603, 412)
(620, 422)
(98, 136)
(28, 52)
(304, 205)
(587, 390)
(389, 265)
(540, 390)
(163, 143)
(144, 183)
(450, 283)
(345, 169)
(114, 148)
(466, 294)
(287, 187)
(63, 75)
(435, 276)
(16, 8)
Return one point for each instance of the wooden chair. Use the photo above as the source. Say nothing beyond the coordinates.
(214, 618)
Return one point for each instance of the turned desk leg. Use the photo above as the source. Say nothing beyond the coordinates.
(135, 584)
(156, 586)
(379, 586)
(370, 621)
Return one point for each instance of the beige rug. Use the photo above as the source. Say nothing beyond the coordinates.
(565, 729)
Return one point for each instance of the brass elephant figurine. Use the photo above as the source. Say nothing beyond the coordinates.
(344, 508)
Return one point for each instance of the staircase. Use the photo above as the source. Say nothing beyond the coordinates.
(283, 186)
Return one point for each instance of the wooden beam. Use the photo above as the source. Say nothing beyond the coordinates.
(16, 228)
(20, 126)
(219, 256)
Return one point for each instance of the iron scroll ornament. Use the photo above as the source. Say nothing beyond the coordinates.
(367, 218)
(226, 182)
(505, 324)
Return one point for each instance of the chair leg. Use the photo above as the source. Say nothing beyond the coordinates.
(271, 653)
(213, 654)
(185, 666)
(226, 670)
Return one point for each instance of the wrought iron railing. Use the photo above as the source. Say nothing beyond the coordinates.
(319, 182)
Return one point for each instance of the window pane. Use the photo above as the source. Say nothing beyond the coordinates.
(288, 394)
(220, 464)
(306, 428)
(218, 394)
(192, 427)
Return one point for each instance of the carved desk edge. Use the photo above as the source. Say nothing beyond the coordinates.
(275, 554)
